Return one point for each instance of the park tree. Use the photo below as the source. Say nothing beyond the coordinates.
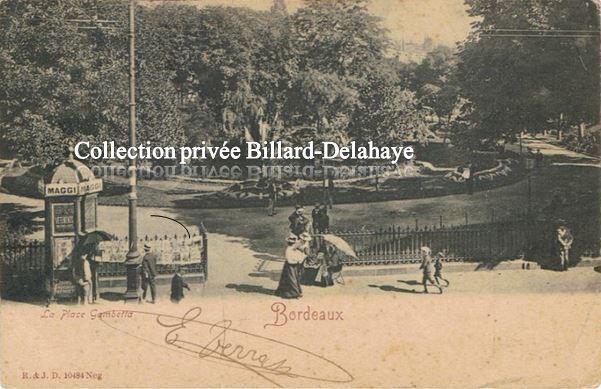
(324, 101)
(172, 42)
(63, 84)
(388, 110)
(210, 73)
(276, 64)
(528, 65)
(57, 84)
(346, 86)
(339, 37)
(436, 85)
(232, 66)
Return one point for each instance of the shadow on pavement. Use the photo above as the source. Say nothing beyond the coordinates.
(488, 265)
(410, 282)
(245, 288)
(389, 288)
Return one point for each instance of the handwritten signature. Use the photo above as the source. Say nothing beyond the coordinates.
(221, 343)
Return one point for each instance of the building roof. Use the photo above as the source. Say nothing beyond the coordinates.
(69, 172)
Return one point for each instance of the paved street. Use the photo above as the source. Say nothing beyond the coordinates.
(510, 282)
(386, 338)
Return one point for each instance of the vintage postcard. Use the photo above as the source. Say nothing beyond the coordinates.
(300, 193)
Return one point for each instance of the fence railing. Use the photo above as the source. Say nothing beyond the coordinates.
(23, 263)
(22, 267)
(518, 237)
(22, 256)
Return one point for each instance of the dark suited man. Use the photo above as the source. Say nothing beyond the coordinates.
(149, 272)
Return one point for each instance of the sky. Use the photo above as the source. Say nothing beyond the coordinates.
(445, 21)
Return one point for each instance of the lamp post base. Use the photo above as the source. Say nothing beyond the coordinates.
(133, 267)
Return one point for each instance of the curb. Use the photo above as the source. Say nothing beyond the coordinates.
(274, 267)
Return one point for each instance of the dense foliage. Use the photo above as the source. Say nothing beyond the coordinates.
(227, 73)
(211, 73)
(530, 65)
(62, 84)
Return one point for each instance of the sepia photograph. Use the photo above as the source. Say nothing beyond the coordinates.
(300, 193)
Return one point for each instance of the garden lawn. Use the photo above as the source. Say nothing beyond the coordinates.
(578, 184)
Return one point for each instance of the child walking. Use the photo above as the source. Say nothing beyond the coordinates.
(438, 268)
(177, 286)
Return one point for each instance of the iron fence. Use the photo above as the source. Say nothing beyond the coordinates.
(518, 237)
(23, 266)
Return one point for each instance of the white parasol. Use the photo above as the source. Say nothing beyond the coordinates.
(340, 244)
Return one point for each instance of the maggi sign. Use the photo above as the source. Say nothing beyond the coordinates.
(91, 186)
(63, 189)
(60, 190)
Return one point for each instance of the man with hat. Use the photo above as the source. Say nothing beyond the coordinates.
(298, 221)
(564, 244)
(149, 272)
(316, 219)
(272, 192)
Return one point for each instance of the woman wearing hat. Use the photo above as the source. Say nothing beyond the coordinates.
(289, 286)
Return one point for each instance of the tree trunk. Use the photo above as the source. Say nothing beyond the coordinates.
(581, 130)
(560, 127)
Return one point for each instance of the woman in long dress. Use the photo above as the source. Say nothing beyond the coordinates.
(289, 286)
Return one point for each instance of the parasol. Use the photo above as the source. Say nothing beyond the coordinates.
(94, 237)
(340, 244)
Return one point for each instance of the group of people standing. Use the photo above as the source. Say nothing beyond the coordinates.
(321, 219)
(309, 259)
(85, 275)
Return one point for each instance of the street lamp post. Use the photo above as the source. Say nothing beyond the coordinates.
(132, 262)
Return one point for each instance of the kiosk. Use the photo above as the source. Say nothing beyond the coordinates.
(70, 193)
